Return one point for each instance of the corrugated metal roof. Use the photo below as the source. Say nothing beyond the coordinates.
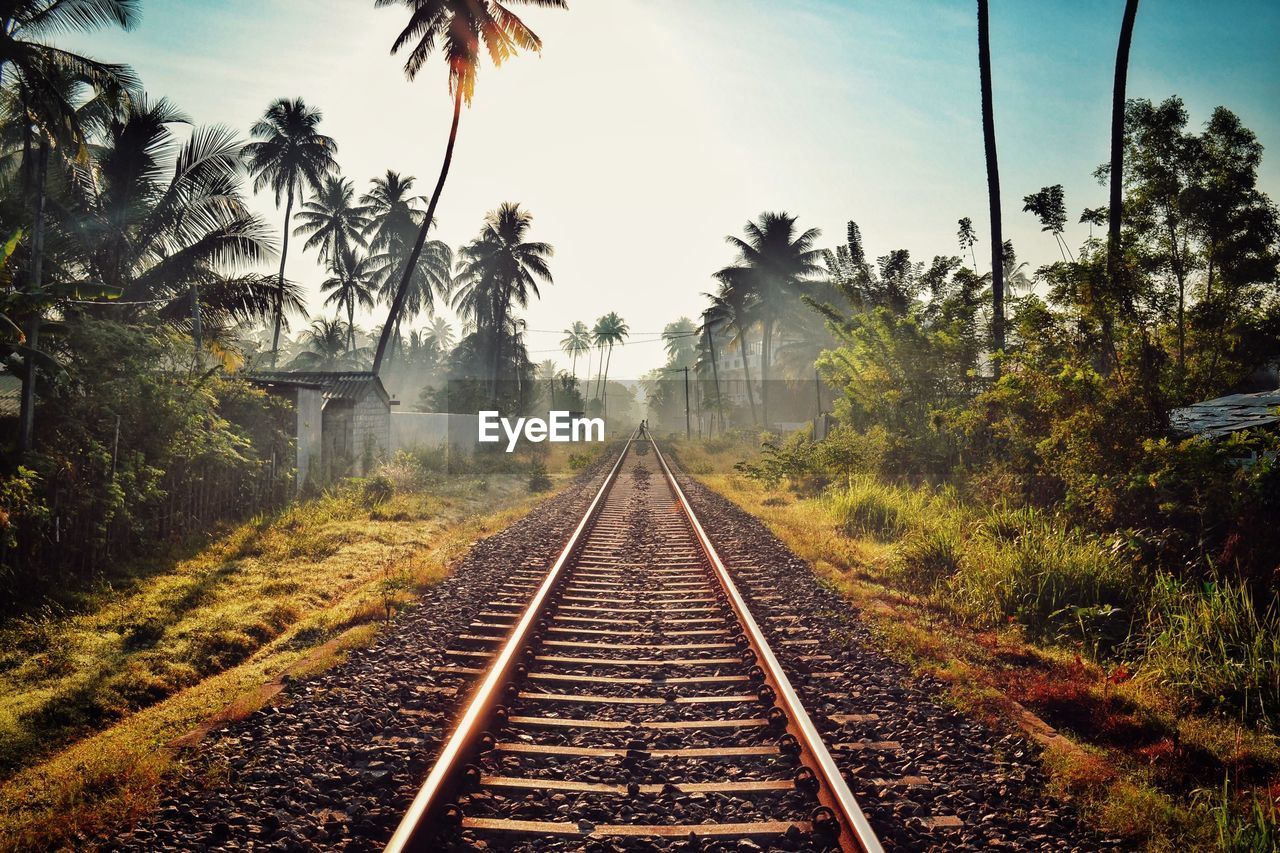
(1229, 414)
(335, 385)
(10, 395)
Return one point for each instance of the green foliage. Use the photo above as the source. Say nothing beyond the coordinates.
(1024, 566)
(136, 446)
(1216, 644)
(866, 507)
(539, 479)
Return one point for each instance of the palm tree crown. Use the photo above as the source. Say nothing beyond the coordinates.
(498, 270)
(335, 223)
(774, 263)
(290, 156)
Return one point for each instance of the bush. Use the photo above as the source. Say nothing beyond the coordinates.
(579, 461)
(378, 489)
(1215, 645)
(930, 557)
(539, 481)
(868, 508)
(1056, 582)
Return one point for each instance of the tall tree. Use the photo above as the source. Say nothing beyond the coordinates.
(461, 27)
(1115, 212)
(734, 305)
(47, 79)
(290, 156)
(498, 270)
(350, 284)
(774, 263)
(609, 331)
(576, 340)
(394, 220)
(993, 186)
(440, 335)
(334, 221)
(680, 339)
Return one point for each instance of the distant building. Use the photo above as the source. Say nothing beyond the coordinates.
(343, 419)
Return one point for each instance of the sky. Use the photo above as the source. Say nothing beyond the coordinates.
(648, 130)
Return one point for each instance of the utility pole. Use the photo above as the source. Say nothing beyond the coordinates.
(688, 427)
(817, 391)
(197, 329)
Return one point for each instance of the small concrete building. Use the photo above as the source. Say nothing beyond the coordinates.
(343, 420)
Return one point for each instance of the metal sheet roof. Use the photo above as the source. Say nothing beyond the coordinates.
(1229, 414)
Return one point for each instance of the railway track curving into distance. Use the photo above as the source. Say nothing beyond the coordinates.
(628, 696)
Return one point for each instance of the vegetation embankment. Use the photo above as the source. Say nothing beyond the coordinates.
(93, 690)
(1166, 690)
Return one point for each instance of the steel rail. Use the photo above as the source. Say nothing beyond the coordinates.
(434, 793)
(855, 832)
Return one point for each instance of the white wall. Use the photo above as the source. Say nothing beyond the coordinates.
(411, 430)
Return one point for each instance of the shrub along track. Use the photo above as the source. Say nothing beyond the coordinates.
(338, 764)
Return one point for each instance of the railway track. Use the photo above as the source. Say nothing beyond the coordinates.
(628, 696)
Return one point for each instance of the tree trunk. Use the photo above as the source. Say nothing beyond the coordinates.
(746, 373)
(1115, 213)
(604, 385)
(351, 323)
(766, 338)
(993, 188)
(500, 316)
(27, 413)
(397, 304)
(284, 254)
(715, 377)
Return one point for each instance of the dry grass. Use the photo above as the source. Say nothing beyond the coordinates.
(1136, 762)
(91, 701)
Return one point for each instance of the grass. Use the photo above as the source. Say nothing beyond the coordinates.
(91, 700)
(1151, 699)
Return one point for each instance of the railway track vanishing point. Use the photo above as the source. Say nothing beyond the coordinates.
(628, 692)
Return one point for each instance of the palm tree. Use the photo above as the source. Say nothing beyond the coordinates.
(290, 156)
(393, 221)
(461, 27)
(576, 340)
(351, 284)
(734, 307)
(993, 185)
(440, 335)
(334, 221)
(547, 373)
(610, 330)
(326, 348)
(499, 269)
(708, 332)
(46, 84)
(1115, 212)
(162, 216)
(774, 264)
(680, 341)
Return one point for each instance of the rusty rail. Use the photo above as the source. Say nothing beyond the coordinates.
(838, 816)
(855, 832)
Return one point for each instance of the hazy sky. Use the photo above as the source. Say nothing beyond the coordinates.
(649, 129)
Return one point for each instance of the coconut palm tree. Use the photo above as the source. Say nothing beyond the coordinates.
(1115, 213)
(290, 156)
(326, 348)
(394, 219)
(733, 307)
(334, 221)
(993, 184)
(162, 216)
(350, 284)
(498, 270)
(680, 341)
(576, 340)
(609, 330)
(774, 264)
(440, 335)
(461, 27)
